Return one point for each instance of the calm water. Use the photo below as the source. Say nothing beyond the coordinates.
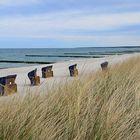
(55, 55)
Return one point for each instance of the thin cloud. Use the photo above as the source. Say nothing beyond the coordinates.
(69, 21)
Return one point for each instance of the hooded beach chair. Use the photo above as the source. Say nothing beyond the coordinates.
(104, 65)
(47, 72)
(8, 85)
(73, 70)
(34, 79)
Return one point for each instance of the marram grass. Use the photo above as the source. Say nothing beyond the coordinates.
(99, 106)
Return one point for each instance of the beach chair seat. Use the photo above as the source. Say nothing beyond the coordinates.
(34, 79)
(104, 65)
(73, 70)
(47, 72)
(8, 85)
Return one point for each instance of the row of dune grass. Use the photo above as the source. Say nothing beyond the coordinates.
(98, 106)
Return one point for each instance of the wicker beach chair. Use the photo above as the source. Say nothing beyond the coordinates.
(47, 72)
(104, 66)
(8, 85)
(73, 70)
(34, 79)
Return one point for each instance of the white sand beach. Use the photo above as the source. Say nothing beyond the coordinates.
(61, 71)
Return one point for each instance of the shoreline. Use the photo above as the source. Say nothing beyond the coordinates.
(61, 71)
(70, 55)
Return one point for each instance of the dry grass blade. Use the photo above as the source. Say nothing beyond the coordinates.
(100, 106)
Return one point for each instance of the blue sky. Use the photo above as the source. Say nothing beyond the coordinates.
(69, 23)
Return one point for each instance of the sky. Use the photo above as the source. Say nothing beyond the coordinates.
(69, 23)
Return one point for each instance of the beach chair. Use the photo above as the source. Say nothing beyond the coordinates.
(104, 66)
(73, 70)
(8, 85)
(34, 79)
(47, 72)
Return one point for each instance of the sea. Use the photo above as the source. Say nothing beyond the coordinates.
(14, 57)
